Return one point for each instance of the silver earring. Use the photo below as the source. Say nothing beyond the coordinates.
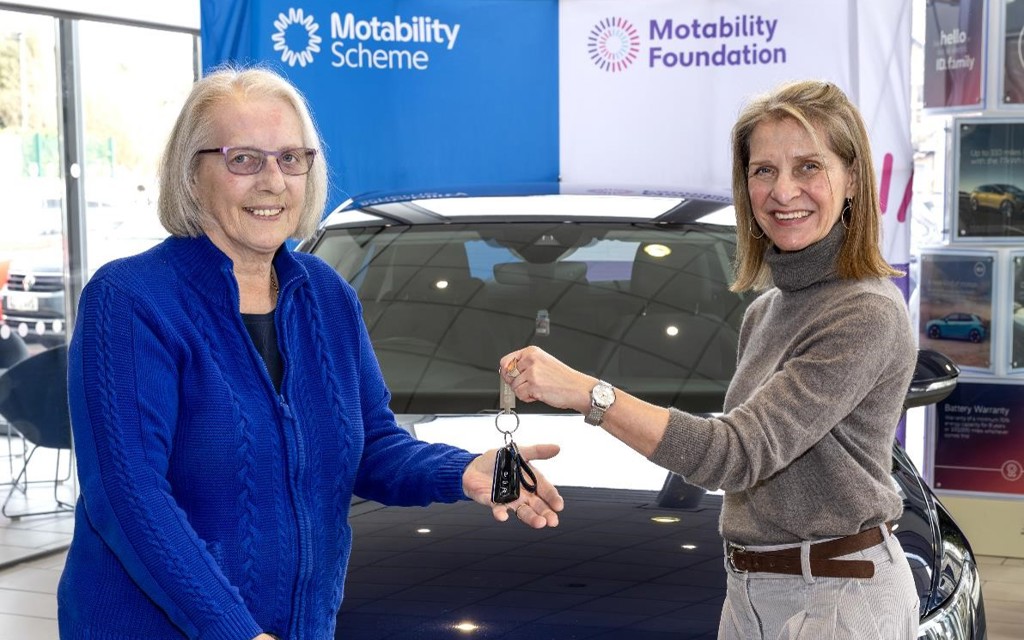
(752, 231)
(847, 213)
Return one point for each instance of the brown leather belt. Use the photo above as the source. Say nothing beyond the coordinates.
(822, 556)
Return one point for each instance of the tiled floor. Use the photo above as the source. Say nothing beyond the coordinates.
(1002, 588)
(32, 556)
(31, 548)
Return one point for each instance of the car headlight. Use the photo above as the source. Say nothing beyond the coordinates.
(955, 609)
(959, 615)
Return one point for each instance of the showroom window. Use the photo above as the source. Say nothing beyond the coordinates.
(85, 109)
(30, 168)
(106, 117)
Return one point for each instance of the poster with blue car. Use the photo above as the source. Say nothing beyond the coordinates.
(956, 306)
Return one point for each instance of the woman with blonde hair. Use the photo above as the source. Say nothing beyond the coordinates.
(826, 352)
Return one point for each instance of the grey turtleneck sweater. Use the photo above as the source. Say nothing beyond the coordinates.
(803, 448)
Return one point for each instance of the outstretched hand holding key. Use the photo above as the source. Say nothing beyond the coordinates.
(494, 478)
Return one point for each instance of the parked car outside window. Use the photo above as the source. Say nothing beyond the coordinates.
(639, 300)
(32, 302)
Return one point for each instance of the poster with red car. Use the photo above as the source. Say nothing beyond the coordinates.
(979, 439)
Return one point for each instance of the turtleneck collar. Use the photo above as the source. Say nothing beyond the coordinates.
(796, 270)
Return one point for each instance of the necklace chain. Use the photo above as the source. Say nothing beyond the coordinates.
(273, 282)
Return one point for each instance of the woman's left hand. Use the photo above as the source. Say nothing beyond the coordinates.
(537, 510)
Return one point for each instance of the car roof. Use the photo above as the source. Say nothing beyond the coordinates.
(537, 208)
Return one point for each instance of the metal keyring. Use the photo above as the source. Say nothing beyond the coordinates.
(507, 432)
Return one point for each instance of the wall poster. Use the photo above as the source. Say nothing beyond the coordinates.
(954, 54)
(979, 439)
(989, 165)
(1013, 53)
(956, 306)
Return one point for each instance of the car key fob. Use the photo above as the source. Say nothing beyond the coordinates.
(505, 485)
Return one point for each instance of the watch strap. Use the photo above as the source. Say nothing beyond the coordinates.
(595, 416)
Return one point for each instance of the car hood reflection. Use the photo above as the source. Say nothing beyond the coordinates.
(589, 456)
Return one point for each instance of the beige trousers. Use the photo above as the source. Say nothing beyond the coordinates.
(771, 606)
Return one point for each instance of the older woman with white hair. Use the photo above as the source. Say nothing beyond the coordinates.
(226, 402)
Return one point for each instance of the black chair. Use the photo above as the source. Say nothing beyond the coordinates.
(34, 400)
(12, 351)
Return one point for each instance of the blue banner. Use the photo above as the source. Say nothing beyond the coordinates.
(412, 98)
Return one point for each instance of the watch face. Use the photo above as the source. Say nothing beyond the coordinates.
(603, 395)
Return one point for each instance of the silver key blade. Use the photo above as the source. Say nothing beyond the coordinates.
(507, 397)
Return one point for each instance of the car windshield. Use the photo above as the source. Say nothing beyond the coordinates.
(644, 305)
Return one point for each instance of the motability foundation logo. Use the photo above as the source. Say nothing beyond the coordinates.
(296, 37)
(613, 44)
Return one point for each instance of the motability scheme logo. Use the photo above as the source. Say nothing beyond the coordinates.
(614, 44)
(304, 35)
(395, 42)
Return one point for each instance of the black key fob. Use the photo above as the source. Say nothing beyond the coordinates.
(505, 485)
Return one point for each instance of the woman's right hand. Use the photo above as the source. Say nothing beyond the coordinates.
(535, 374)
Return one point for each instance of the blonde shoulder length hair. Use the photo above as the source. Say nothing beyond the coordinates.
(178, 205)
(812, 104)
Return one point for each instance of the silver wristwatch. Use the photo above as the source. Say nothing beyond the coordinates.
(602, 396)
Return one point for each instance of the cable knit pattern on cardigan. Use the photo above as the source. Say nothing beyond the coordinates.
(213, 507)
(246, 454)
(803, 448)
(121, 466)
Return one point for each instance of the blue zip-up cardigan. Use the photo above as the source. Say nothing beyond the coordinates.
(211, 507)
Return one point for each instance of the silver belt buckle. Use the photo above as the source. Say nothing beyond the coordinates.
(732, 548)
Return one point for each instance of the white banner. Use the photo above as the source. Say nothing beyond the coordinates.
(649, 91)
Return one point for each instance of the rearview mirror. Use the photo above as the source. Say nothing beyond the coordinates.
(934, 378)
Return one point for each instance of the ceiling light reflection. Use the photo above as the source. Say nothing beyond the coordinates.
(665, 519)
(466, 627)
(657, 250)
